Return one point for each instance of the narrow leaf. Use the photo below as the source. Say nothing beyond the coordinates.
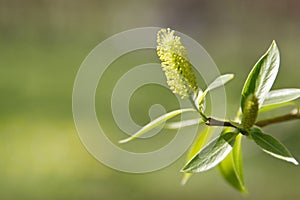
(200, 141)
(231, 167)
(218, 82)
(273, 107)
(156, 123)
(281, 96)
(211, 155)
(199, 100)
(272, 146)
(238, 158)
(262, 76)
(184, 123)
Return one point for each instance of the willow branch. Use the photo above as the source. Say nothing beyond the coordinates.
(214, 122)
(294, 114)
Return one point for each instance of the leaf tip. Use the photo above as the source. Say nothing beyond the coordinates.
(294, 161)
(124, 140)
(183, 182)
(244, 191)
(274, 47)
(185, 179)
(185, 169)
(231, 76)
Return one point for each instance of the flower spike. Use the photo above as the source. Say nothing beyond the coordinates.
(175, 64)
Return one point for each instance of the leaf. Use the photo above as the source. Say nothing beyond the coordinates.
(231, 167)
(262, 76)
(272, 146)
(238, 158)
(211, 155)
(276, 106)
(200, 141)
(199, 100)
(156, 122)
(280, 96)
(219, 81)
(184, 123)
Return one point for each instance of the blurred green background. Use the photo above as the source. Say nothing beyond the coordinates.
(42, 44)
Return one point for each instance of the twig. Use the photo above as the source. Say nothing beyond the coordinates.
(214, 122)
(295, 114)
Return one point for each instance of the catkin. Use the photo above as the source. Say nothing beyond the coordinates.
(175, 63)
(250, 112)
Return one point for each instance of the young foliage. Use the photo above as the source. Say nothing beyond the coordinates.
(197, 145)
(218, 82)
(271, 145)
(262, 76)
(231, 167)
(211, 154)
(256, 97)
(183, 123)
(281, 96)
(266, 108)
(158, 121)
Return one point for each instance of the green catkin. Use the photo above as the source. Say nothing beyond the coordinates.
(175, 64)
(250, 112)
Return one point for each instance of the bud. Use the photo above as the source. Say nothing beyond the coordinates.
(250, 112)
(175, 63)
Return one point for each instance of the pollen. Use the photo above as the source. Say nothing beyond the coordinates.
(175, 63)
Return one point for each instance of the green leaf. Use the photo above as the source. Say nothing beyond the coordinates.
(218, 82)
(231, 167)
(271, 145)
(238, 158)
(281, 96)
(183, 123)
(262, 76)
(200, 141)
(211, 155)
(276, 106)
(156, 123)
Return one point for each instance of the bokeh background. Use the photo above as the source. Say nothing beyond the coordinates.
(42, 44)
